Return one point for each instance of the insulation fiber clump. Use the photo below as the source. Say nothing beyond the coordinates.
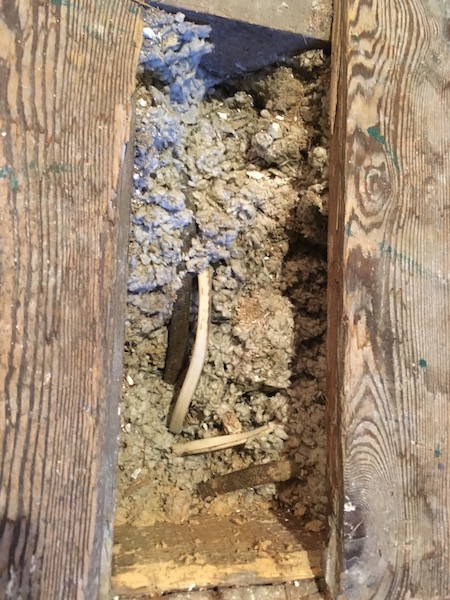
(233, 178)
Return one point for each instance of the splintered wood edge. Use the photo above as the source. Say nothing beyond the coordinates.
(221, 442)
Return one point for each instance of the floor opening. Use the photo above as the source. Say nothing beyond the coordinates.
(231, 181)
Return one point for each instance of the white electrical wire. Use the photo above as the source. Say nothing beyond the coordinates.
(198, 353)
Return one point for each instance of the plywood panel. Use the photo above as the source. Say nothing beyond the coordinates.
(67, 70)
(389, 301)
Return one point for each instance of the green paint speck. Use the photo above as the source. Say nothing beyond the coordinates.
(355, 38)
(422, 363)
(437, 451)
(373, 132)
(394, 157)
(376, 135)
(7, 172)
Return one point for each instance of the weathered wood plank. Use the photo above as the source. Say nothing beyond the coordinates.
(67, 70)
(389, 300)
(310, 19)
(210, 551)
(299, 590)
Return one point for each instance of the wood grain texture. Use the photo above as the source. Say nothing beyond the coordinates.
(300, 590)
(242, 549)
(389, 302)
(67, 71)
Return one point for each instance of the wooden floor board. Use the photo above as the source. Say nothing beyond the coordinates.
(67, 75)
(389, 302)
(298, 590)
(242, 549)
(303, 17)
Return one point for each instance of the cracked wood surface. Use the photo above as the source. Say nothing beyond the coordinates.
(389, 301)
(67, 75)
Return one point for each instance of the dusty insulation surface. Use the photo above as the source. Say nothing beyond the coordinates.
(233, 177)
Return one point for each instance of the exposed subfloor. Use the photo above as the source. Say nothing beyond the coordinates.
(232, 177)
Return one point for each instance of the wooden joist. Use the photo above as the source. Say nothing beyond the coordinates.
(67, 75)
(304, 17)
(389, 302)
